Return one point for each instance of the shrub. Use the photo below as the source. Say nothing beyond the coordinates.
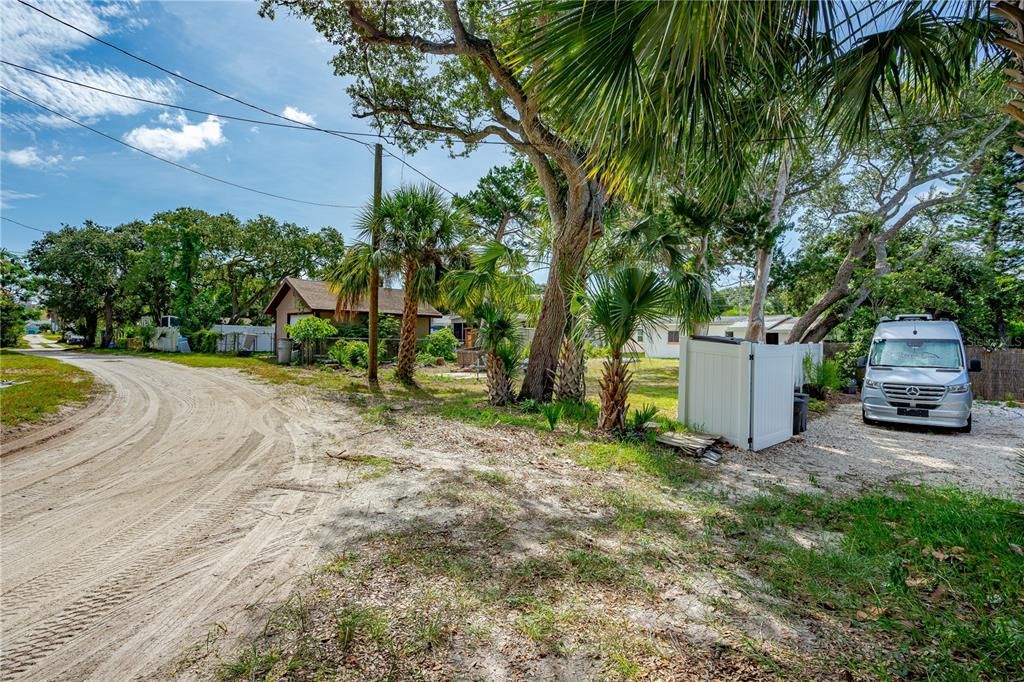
(358, 354)
(12, 318)
(592, 351)
(822, 378)
(553, 412)
(146, 332)
(310, 329)
(425, 359)
(389, 327)
(203, 340)
(339, 352)
(352, 330)
(442, 344)
(639, 417)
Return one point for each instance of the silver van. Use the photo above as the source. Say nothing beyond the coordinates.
(917, 373)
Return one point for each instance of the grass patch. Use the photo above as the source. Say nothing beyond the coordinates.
(935, 572)
(662, 463)
(43, 386)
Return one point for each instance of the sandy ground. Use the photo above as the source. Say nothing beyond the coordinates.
(160, 514)
(840, 453)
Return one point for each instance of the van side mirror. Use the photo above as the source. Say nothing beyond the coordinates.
(974, 366)
(862, 361)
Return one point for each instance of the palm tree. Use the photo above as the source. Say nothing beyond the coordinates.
(500, 341)
(649, 82)
(420, 237)
(619, 306)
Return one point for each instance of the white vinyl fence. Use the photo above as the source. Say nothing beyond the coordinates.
(740, 390)
(244, 337)
(165, 339)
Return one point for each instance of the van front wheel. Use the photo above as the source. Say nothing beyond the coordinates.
(966, 428)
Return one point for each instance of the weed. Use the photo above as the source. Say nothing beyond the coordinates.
(497, 479)
(252, 664)
(552, 413)
(350, 622)
(339, 565)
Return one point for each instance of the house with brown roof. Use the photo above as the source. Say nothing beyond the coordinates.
(298, 298)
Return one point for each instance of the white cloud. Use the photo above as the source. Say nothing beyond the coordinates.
(29, 157)
(35, 41)
(299, 115)
(9, 195)
(178, 142)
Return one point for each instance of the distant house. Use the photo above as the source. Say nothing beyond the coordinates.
(298, 298)
(662, 340)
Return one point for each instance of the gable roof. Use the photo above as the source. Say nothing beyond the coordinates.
(318, 296)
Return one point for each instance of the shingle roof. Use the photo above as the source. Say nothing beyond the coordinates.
(318, 296)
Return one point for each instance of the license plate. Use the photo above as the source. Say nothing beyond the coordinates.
(911, 412)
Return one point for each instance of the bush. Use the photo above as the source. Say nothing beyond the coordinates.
(339, 352)
(352, 330)
(310, 329)
(441, 344)
(592, 351)
(203, 341)
(822, 378)
(12, 319)
(358, 354)
(425, 359)
(389, 327)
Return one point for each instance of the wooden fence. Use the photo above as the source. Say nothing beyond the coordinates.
(1001, 375)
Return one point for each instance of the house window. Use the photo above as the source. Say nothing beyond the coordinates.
(640, 336)
(729, 335)
(673, 336)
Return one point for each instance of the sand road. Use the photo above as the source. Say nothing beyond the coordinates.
(159, 514)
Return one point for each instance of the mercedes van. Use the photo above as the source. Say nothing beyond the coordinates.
(917, 373)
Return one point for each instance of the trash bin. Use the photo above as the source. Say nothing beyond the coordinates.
(800, 401)
(284, 351)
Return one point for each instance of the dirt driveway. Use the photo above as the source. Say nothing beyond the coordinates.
(840, 453)
(175, 502)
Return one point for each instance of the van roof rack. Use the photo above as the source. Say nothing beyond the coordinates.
(914, 317)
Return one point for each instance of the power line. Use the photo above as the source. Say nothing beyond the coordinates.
(171, 105)
(218, 115)
(172, 163)
(29, 227)
(186, 79)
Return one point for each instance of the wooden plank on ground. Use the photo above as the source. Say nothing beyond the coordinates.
(692, 443)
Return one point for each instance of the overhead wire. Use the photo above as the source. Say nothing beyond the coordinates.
(29, 227)
(173, 163)
(219, 93)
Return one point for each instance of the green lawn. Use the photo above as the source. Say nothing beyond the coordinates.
(45, 386)
(936, 573)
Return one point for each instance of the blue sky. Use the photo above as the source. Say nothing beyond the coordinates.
(54, 172)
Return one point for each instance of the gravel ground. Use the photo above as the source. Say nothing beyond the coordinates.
(840, 453)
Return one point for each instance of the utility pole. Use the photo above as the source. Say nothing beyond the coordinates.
(374, 303)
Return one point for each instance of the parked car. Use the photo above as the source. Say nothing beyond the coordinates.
(74, 339)
(917, 373)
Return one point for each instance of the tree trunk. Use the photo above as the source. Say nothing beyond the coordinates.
(571, 382)
(499, 383)
(763, 262)
(840, 287)
(615, 383)
(405, 365)
(582, 225)
(108, 320)
(89, 337)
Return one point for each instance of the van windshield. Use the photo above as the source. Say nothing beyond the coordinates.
(939, 353)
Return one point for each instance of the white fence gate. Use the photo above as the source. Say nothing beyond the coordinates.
(236, 337)
(165, 339)
(740, 390)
